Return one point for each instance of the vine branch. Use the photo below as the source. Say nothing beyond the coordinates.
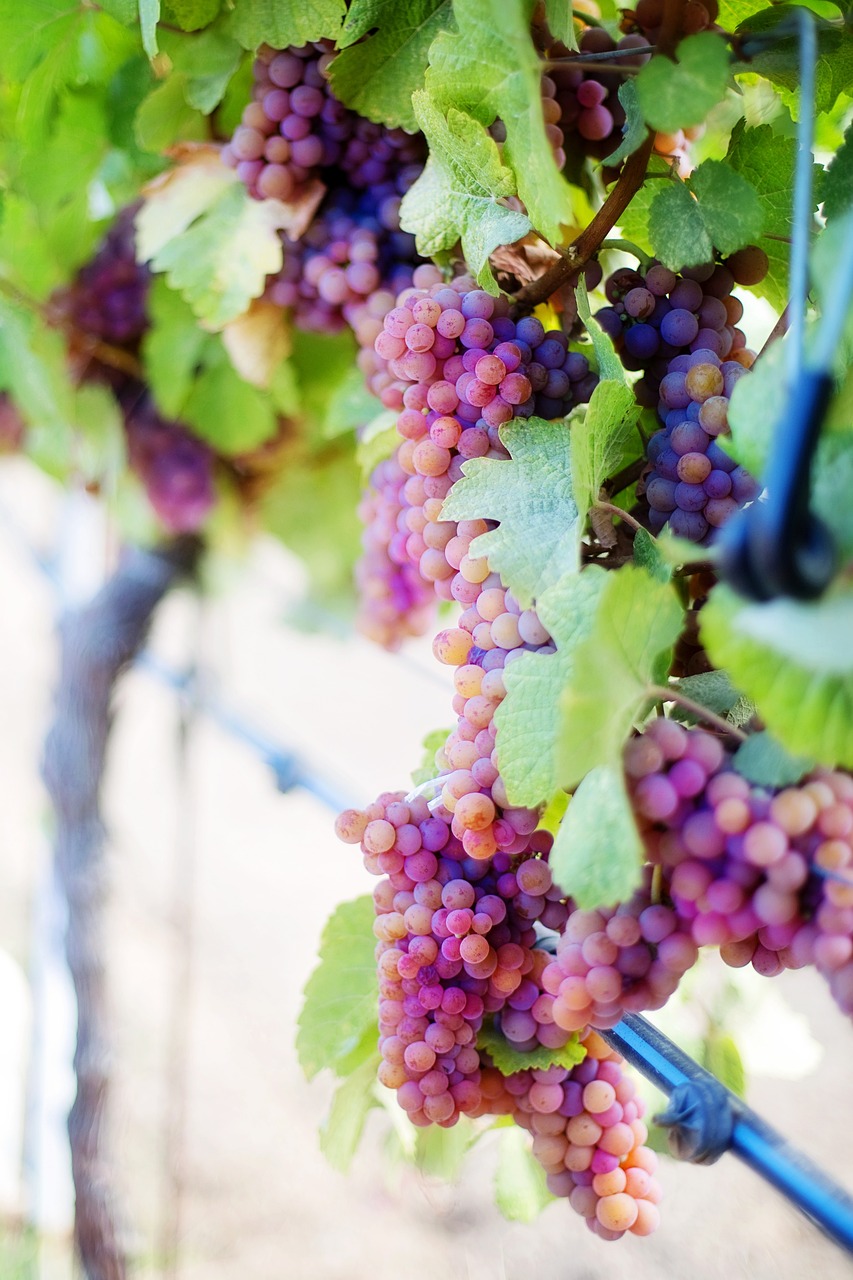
(591, 238)
(97, 642)
(613, 510)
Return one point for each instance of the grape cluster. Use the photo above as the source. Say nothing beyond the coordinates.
(588, 1135)
(586, 100)
(394, 600)
(681, 331)
(456, 943)
(456, 369)
(294, 130)
(108, 298)
(175, 467)
(350, 264)
(765, 876)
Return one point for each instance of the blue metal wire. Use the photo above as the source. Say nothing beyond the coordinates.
(747, 1136)
(802, 207)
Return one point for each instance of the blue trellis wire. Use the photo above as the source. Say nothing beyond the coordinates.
(706, 1119)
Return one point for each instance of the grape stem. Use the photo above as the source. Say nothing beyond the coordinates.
(779, 330)
(671, 693)
(628, 246)
(613, 510)
(602, 57)
(593, 236)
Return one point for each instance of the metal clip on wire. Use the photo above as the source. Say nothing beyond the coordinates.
(777, 546)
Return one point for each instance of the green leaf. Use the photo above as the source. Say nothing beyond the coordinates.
(377, 76)
(676, 95)
(634, 128)
(508, 1059)
(284, 22)
(466, 167)
(769, 40)
(165, 115)
(378, 441)
(560, 22)
(711, 689)
(715, 208)
(190, 15)
(351, 405)
(340, 996)
(171, 349)
(720, 1056)
(149, 16)
(521, 1192)
(538, 540)
(208, 61)
(603, 441)
(426, 770)
(610, 367)
(554, 811)
(529, 717)
(795, 661)
(628, 649)
(489, 68)
(763, 760)
(634, 222)
(767, 162)
(439, 1153)
(227, 412)
(598, 855)
(838, 187)
(341, 1130)
(647, 556)
(221, 261)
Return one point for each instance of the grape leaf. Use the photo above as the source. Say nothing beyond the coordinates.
(676, 95)
(610, 367)
(466, 167)
(838, 187)
(222, 259)
(171, 349)
(426, 770)
(341, 993)
(521, 1192)
(341, 1130)
(379, 439)
(603, 441)
(712, 689)
(720, 1055)
(439, 1153)
(508, 1059)
(628, 649)
(165, 115)
(767, 161)
(377, 76)
(538, 539)
(489, 68)
(647, 555)
(149, 16)
(634, 222)
(770, 43)
(208, 61)
(226, 411)
(528, 719)
(560, 22)
(763, 760)
(284, 22)
(715, 207)
(634, 128)
(795, 661)
(258, 342)
(598, 854)
(190, 15)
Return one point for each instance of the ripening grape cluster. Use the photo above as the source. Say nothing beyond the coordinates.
(175, 466)
(586, 100)
(681, 331)
(294, 130)
(767, 876)
(588, 1135)
(351, 262)
(108, 298)
(107, 303)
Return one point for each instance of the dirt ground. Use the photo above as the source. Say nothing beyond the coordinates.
(219, 887)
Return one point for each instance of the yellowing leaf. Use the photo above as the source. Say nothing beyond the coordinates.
(257, 342)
